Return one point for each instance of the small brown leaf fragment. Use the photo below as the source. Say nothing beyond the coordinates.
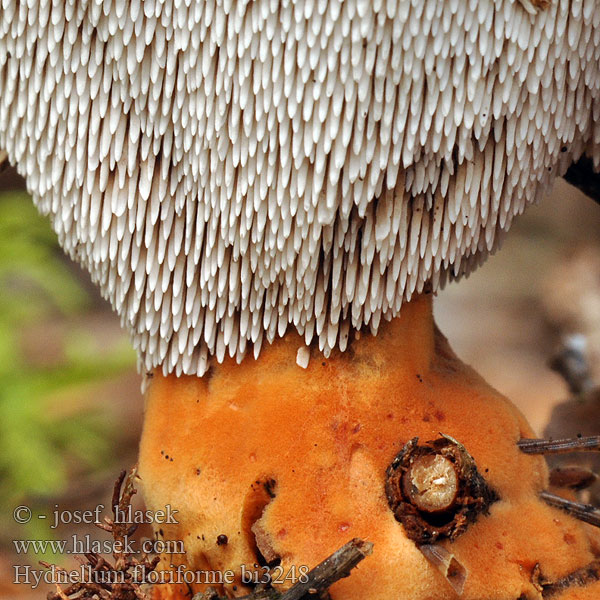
(534, 6)
(572, 477)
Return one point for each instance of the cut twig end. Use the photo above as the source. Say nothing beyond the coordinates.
(435, 490)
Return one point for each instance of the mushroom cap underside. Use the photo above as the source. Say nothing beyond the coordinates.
(229, 171)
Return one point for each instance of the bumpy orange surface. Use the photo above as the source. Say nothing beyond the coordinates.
(325, 435)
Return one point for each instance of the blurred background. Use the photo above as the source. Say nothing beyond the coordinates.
(70, 401)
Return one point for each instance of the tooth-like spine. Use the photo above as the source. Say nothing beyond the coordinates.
(226, 170)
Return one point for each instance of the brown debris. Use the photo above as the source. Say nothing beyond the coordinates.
(581, 415)
(438, 504)
(584, 177)
(123, 579)
(571, 363)
(264, 543)
(572, 477)
(541, 4)
(258, 498)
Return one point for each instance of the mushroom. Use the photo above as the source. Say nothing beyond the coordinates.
(292, 180)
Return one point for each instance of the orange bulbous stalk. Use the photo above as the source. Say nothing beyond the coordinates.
(290, 463)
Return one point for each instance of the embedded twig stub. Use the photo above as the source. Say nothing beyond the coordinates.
(435, 490)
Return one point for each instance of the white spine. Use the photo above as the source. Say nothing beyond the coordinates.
(226, 170)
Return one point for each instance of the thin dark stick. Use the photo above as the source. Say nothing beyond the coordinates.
(262, 592)
(549, 446)
(584, 512)
(581, 175)
(584, 576)
(317, 580)
(337, 566)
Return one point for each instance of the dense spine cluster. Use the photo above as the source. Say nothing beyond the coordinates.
(226, 169)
